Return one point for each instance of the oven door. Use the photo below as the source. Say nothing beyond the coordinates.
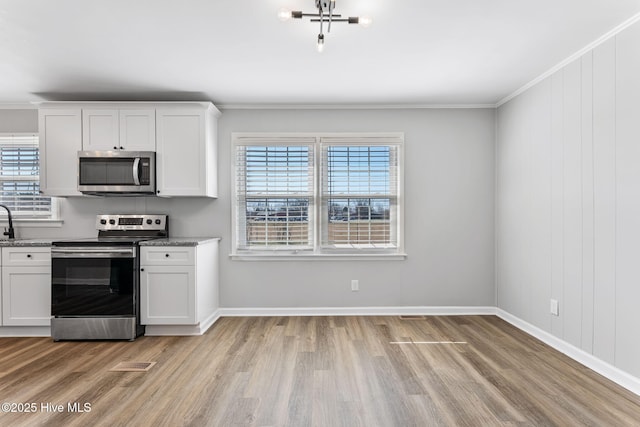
(94, 281)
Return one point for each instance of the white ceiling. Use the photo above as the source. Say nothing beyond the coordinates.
(237, 52)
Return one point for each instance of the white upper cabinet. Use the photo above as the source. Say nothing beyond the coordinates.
(118, 129)
(186, 151)
(138, 130)
(60, 140)
(100, 130)
(182, 134)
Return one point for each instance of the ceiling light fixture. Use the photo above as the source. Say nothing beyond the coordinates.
(325, 15)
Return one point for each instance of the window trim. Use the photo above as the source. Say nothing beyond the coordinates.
(51, 220)
(318, 252)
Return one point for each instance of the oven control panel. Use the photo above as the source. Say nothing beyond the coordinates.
(131, 222)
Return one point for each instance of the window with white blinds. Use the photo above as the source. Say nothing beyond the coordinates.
(360, 193)
(274, 194)
(317, 194)
(20, 177)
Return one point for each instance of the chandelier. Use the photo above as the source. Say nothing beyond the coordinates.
(325, 15)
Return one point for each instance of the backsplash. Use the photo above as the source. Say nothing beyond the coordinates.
(187, 217)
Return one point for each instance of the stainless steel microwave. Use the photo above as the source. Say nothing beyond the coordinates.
(117, 173)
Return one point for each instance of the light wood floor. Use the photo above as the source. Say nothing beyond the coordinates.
(320, 371)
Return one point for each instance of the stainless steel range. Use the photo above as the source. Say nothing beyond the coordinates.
(96, 282)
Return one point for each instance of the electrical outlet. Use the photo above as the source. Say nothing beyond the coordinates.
(355, 286)
(554, 308)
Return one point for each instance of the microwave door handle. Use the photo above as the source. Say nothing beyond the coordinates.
(136, 171)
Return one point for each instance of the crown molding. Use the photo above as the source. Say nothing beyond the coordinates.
(36, 104)
(351, 106)
(612, 33)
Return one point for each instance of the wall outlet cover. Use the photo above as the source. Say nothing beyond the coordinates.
(554, 307)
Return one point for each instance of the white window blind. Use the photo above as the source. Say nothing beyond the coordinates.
(274, 194)
(19, 177)
(360, 189)
(350, 204)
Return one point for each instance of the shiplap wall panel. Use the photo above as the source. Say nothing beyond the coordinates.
(557, 198)
(525, 204)
(572, 201)
(604, 201)
(540, 230)
(592, 259)
(586, 323)
(628, 200)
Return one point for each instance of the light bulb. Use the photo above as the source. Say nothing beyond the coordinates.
(284, 15)
(365, 21)
(320, 43)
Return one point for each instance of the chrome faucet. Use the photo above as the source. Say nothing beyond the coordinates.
(10, 232)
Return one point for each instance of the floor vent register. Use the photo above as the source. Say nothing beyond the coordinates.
(133, 366)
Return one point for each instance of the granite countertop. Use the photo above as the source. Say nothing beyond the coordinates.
(172, 241)
(25, 243)
(179, 241)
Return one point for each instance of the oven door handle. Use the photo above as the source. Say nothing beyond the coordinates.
(106, 252)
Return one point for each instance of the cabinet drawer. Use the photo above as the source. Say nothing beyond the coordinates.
(167, 255)
(26, 256)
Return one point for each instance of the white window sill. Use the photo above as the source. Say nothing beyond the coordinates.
(318, 257)
(34, 223)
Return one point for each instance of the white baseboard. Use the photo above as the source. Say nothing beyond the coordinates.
(182, 330)
(25, 331)
(206, 323)
(356, 311)
(605, 369)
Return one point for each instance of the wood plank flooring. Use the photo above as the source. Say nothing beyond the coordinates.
(312, 371)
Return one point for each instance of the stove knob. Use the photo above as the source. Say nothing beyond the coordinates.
(112, 221)
(103, 221)
(158, 221)
(149, 222)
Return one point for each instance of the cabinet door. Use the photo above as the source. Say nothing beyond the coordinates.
(167, 295)
(60, 141)
(138, 130)
(26, 296)
(181, 152)
(100, 130)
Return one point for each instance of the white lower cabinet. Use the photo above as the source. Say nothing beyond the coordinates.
(26, 286)
(168, 295)
(179, 287)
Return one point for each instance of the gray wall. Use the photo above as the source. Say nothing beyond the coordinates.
(568, 207)
(449, 175)
(18, 120)
(449, 214)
